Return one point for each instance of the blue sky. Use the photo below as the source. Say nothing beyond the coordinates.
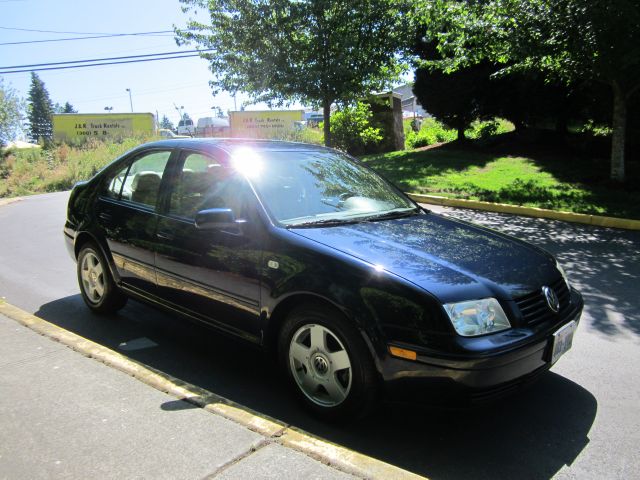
(155, 86)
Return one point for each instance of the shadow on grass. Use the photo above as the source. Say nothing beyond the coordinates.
(404, 168)
(584, 186)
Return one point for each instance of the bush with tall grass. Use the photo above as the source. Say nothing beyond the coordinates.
(57, 167)
(433, 132)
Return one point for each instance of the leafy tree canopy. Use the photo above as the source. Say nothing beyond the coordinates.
(11, 108)
(314, 51)
(456, 98)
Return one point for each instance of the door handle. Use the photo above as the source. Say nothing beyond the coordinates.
(165, 235)
(107, 217)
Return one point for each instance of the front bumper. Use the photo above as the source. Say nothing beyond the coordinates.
(476, 375)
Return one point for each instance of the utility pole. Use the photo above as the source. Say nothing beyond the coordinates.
(179, 110)
(130, 101)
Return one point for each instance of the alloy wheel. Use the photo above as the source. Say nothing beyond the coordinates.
(320, 365)
(92, 274)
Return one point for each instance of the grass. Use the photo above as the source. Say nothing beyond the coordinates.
(544, 180)
(26, 172)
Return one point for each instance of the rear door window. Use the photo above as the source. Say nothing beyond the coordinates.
(140, 181)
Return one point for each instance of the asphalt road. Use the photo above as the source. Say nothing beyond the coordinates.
(581, 420)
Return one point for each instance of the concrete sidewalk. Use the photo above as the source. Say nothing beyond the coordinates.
(63, 415)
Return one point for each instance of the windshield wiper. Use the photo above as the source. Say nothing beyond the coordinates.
(324, 222)
(351, 220)
(389, 215)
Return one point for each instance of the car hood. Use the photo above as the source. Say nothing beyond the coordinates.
(453, 260)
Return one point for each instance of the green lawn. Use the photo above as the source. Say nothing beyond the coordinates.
(545, 181)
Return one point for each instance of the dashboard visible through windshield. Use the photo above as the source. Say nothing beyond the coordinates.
(317, 187)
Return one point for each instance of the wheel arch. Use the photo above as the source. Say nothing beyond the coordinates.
(282, 309)
(85, 237)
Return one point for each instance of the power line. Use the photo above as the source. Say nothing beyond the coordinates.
(98, 64)
(50, 64)
(160, 33)
(53, 31)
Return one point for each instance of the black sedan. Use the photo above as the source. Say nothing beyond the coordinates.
(304, 251)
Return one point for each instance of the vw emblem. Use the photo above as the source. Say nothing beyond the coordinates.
(552, 299)
(320, 364)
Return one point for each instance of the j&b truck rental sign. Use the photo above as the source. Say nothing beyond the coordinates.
(264, 123)
(74, 127)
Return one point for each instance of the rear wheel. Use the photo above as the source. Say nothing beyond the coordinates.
(327, 363)
(99, 291)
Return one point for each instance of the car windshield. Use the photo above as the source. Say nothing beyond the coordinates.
(301, 188)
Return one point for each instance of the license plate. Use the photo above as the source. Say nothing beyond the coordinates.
(562, 340)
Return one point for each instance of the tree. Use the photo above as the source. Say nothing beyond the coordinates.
(166, 123)
(68, 108)
(39, 111)
(456, 98)
(567, 40)
(527, 100)
(11, 108)
(315, 52)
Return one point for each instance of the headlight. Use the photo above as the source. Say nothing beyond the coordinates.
(477, 317)
(564, 274)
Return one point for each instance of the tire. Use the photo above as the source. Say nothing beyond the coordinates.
(99, 291)
(327, 363)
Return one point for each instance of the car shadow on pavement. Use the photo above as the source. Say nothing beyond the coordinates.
(531, 434)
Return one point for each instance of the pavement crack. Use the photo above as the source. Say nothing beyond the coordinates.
(254, 448)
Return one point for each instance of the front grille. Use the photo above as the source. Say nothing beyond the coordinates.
(534, 307)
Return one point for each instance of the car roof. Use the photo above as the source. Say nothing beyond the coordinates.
(229, 145)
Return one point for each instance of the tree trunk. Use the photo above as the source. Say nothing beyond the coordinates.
(326, 113)
(461, 137)
(619, 133)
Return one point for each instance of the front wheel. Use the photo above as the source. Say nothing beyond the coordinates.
(327, 363)
(99, 291)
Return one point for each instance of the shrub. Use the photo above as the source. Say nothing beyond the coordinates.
(483, 130)
(351, 129)
(432, 132)
(55, 168)
(305, 135)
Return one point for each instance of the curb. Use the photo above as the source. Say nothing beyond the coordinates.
(595, 220)
(326, 452)
(7, 201)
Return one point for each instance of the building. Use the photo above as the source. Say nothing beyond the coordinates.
(410, 105)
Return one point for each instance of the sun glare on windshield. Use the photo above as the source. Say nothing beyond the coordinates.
(247, 162)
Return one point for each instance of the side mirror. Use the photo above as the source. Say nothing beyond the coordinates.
(215, 219)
